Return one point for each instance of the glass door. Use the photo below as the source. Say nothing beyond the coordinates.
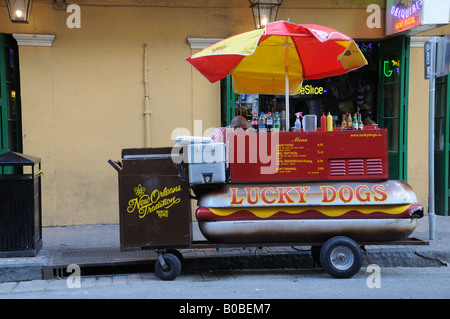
(393, 92)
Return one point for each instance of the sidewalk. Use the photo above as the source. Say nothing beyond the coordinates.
(96, 249)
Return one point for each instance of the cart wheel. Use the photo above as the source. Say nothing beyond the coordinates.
(177, 254)
(173, 267)
(315, 254)
(341, 257)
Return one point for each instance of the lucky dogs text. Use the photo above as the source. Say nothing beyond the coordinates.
(292, 195)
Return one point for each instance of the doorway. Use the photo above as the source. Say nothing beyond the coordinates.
(10, 106)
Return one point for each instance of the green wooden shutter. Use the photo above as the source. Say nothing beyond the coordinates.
(441, 146)
(228, 101)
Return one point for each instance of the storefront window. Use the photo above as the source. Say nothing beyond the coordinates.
(391, 78)
(393, 103)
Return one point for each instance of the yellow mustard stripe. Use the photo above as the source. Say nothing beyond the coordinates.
(332, 211)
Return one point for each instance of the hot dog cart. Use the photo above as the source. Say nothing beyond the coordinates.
(327, 190)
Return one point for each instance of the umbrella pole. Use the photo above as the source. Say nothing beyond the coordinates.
(286, 82)
(287, 102)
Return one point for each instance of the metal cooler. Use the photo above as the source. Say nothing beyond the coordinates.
(153, 199)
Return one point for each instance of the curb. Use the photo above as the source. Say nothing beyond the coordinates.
(21, 272)
(201, 261)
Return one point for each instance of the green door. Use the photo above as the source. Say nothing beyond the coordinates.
(393, 102)
(10, 115)
(441, 146)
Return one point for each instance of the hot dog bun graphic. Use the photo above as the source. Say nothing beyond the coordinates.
(312, 212)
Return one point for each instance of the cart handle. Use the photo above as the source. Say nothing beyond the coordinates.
(116, 165)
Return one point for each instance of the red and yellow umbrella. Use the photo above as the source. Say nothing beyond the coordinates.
(277, 58)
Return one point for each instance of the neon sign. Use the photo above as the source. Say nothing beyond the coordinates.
(402, 15)
(388, 71)
(309, 89)
(402, 12)
(403, 24)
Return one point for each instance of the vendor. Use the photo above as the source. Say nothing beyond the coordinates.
(365, 116)
(219, 134)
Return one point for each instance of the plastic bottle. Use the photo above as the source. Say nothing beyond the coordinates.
(360, 122)
(262, 123)
(297, 124)
(269, 122)
(255, 122)
(276, 123)
(323, 122)
(355, 122)
(344, 123)
(329, 122)
(349, 121)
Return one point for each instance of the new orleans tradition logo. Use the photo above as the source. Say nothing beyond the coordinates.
(158, 201)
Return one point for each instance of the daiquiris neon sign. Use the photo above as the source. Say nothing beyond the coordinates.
(402, 12)
(402, 15)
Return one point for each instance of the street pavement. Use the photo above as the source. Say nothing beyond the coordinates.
(96, 250)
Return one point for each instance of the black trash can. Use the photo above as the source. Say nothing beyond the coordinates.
(20, 205)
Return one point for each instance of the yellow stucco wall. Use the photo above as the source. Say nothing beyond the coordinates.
(83, 98)
(417, 127)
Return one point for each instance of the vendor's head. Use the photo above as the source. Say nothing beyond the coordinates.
(239, 122)
(365, 113)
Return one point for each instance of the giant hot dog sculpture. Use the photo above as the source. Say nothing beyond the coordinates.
(291, 212)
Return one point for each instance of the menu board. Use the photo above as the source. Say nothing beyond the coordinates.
(308, 156)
